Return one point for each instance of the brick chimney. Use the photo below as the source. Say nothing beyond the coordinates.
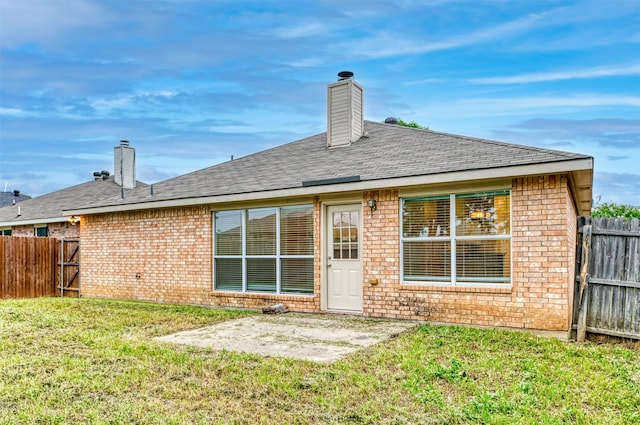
(124, 165)
(345, 111)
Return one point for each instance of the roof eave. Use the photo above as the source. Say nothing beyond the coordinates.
(581, 182)
(569, 166)
(34, 221)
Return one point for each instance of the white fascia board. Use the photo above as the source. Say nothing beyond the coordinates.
(34, 221)
(491, 173)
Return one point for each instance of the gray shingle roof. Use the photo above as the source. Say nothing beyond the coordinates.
(8, 198)
(388, 151)
(51, 205)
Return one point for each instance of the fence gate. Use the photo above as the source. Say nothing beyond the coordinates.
(69, 265)
(607, 290)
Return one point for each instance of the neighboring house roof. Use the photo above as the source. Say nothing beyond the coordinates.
(387, 156)
(10, 198)
(48, 208)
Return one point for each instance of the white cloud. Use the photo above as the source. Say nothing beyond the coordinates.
(13, 112)
(606, 71)
(621, 188)
(516, 105)
(300, 30)
(121, 101)
(42, 22)
(388, 44)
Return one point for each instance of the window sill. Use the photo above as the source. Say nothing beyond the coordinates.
(260, 295)
(451, 288)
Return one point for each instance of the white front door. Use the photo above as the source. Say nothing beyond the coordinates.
(344, 259)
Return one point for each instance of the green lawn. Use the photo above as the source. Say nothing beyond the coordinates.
(95, 361)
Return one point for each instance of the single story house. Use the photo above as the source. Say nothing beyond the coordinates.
(42, 216)
(367, 218)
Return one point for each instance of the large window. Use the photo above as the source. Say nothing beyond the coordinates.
(264, 250)
(457, 239)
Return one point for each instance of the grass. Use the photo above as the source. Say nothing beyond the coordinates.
(66, 361)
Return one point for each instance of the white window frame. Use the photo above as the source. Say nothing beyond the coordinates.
(244, 256)
(453, 239)
(43, 226)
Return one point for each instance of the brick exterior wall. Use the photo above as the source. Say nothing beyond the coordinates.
(166, 255)
(543, 248)
(572, 243)
(161, 255)
(381, 255)
(56, 230)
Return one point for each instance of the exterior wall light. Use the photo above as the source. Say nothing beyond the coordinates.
(372, 204)
(74, 220)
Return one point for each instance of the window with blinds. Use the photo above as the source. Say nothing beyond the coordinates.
(457, 239)
(264, 250)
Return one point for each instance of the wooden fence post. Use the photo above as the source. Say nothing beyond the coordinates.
(584, 282)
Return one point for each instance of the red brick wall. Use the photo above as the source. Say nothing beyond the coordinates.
(572, 240)
(56, 230)
(381, 255)
(162, 255)
(166, 256)
(171, 252)
(543, 228)
(542, 251)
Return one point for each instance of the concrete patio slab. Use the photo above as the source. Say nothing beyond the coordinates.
(321, 338)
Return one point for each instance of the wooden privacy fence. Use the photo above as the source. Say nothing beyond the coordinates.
(607, 290)
(39, 267)
(28, 266)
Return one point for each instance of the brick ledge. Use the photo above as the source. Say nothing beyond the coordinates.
(275, 297)
(465, 289)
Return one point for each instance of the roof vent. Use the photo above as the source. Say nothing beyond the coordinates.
(391, 120)
(124, 143)
(345, 75)
(104, 174)
(16, 193)
(97, 175)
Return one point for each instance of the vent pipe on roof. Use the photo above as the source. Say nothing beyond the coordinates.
(345, 75)
(97, 175)
(391, 120)
(124, 165)
(16, 193)
(345, 111)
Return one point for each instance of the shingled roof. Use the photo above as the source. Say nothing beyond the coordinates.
(48, 208)
(386, 154)
(10, 198)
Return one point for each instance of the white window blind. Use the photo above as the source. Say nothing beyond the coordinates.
(457, 239)
(264, 250)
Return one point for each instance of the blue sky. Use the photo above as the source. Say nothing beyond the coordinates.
(190, 83)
